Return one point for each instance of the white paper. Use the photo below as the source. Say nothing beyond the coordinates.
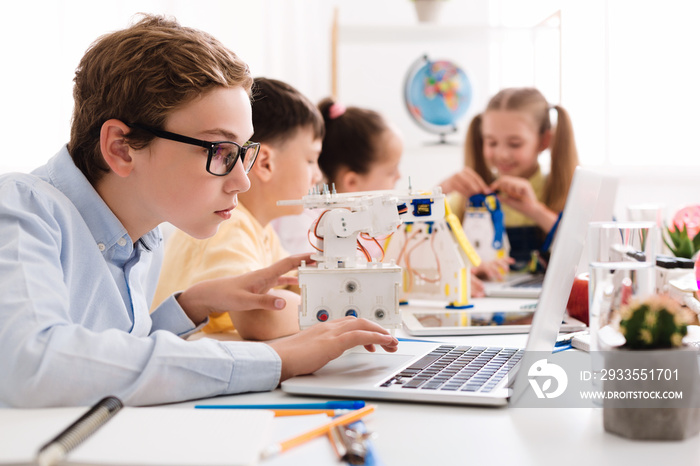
(143, 436)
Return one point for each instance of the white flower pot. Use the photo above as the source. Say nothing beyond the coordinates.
(428, 11)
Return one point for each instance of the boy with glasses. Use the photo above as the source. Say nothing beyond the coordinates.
(159, 133)
(290, 130)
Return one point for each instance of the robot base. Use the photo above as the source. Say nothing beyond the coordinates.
(370, 291)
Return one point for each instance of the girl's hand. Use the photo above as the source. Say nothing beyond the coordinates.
(477, 286)
(466, 182)
(517, 193)
(494, 270)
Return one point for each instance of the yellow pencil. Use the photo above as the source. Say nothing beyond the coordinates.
(348, 418)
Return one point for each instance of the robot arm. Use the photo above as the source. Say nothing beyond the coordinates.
(339, 228)
(375, 213)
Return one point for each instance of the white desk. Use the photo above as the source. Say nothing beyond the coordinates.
(425, 434)
(421, 434)
(440, 435)
(429, 434)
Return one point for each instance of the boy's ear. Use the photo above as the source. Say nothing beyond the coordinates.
(545, 140)
(349, 181)
(264, 165)
(114, 148)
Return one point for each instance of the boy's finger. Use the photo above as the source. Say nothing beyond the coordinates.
(285, 265)
(368, 338)
(267, 302)
(284, 280)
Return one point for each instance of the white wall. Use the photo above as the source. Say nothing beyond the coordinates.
(627, 67)
(41, 43)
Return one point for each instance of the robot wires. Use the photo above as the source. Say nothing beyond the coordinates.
(313, 229)
(406, 253)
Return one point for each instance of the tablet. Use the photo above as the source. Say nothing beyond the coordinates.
(421, 322)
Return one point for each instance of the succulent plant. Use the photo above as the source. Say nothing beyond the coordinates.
(680, 243)
(656, 322)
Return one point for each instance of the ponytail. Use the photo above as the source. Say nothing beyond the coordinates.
(564, 159)
(474, 150)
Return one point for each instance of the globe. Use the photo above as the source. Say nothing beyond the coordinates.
(437, 95)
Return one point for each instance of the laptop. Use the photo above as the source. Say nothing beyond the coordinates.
(461, 373)
(432, 319)
(516, 285)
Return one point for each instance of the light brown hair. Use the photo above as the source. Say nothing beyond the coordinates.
(563, 153)
(141, 74)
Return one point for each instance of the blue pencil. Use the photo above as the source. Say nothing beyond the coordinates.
(342, 404)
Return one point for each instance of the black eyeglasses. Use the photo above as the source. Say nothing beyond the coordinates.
(222, 155)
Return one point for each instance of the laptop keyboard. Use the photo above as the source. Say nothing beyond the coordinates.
(530, 282)
(458, 368)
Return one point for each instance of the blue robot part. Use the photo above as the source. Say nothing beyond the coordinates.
(491, 203)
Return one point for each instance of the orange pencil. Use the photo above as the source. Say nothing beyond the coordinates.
(352, 416)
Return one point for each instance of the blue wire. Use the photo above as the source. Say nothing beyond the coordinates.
(558, 349)
(550, 236)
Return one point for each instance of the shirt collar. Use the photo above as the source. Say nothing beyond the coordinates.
(104, 225)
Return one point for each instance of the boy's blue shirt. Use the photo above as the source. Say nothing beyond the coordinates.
(74, 306)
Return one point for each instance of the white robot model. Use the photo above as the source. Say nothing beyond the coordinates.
(341, 284)
(435, 256)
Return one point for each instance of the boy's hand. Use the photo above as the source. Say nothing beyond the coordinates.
(245, 292)
(314, 347)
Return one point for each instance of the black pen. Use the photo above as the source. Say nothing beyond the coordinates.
(58, 447)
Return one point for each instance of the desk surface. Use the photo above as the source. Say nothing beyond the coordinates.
(428, 434)
(413, 433)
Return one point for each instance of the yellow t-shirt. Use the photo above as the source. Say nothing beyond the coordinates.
(240, 245)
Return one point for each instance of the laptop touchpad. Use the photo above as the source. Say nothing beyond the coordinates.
(364, 365)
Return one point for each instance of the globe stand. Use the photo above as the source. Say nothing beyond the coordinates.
(441, 142)
(443, 137)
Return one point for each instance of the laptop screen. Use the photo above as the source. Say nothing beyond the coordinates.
(591, 197)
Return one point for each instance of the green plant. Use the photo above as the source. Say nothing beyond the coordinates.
(680, 243)
(656, 322)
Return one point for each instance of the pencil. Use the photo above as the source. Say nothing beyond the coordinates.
(338, 404)
(352, 416)
(302, 412)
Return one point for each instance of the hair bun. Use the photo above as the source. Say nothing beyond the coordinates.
(336, 110)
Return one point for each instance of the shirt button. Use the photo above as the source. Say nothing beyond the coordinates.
(100, 246)
(121, 242)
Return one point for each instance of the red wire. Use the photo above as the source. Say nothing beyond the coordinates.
(314, 226)
(364, 251)
(420, 275)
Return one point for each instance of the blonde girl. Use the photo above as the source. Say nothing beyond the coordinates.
(502, 152)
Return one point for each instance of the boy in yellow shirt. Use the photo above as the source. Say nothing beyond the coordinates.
(290, 130)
